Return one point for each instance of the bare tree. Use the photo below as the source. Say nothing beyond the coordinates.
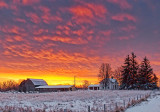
(104, 74)
(85, 84)
(9, 85)
(117, 74)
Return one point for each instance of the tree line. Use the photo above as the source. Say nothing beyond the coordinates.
(130, 75)
(9, 85)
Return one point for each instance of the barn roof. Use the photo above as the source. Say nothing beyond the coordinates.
(38, 82)
(94, 85)
(54, 87)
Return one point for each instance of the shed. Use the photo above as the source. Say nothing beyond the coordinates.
(93, 87)
(55, 88)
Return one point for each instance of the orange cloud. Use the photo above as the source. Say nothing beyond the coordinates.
(81, 11)
(47, 16)
(124, 17)
(88, 13)
(62, 39)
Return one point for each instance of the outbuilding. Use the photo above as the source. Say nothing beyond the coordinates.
(93, 87)
(31, 84)
(55, 88)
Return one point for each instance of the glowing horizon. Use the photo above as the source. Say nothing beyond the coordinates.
(57, 40)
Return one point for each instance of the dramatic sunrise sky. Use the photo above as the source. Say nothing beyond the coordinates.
(57, 39)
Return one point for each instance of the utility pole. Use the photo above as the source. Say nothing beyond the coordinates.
(74, 81)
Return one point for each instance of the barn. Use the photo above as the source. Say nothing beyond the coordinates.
(31, 84)
(55, 88)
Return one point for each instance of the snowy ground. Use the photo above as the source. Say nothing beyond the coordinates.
(151, 105)
(77, 101)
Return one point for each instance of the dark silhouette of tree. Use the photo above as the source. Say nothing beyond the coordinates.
(133, 80)
(126, 73)
(104, 72)
(129, 73)
(145, 74)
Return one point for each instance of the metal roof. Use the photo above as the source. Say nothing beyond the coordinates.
(54, 87)
(94, 85)
(38, 82)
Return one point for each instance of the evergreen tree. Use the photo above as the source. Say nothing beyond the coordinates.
(145, 74)
(133, 80)
(126, 73)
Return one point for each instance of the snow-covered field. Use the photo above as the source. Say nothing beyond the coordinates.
(76, 101)
(151, 105)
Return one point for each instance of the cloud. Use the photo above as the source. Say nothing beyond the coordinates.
(3, 5)
(88, 13)
(123, 17)
(122, 3)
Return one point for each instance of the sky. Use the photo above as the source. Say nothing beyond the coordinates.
(56, 40)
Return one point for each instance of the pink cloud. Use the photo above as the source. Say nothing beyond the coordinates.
(122, 3)
(3, 4)
(128, 28)
(126, 37)
(123, 17)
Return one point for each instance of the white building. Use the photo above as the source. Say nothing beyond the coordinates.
(112, 84)
(93, 87)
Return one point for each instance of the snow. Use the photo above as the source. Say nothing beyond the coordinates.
(38, 82)
(112, 80)
(71, 100)
(152, 105)
(94, 85)
(59, 86)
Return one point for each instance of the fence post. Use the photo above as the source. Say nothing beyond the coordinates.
(124, 103)
(116, 105)
(89, 109)
(65, 110)
(104, 108)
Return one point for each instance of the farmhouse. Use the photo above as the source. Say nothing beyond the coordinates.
(31, 85)
(112, 84)
(93, 87)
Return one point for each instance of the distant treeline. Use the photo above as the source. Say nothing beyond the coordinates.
(9, 85)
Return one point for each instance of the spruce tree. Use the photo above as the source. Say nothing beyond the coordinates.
(126, 73)
(133, 80)
(145, 74)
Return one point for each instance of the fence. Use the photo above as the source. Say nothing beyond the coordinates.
(123, 106)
